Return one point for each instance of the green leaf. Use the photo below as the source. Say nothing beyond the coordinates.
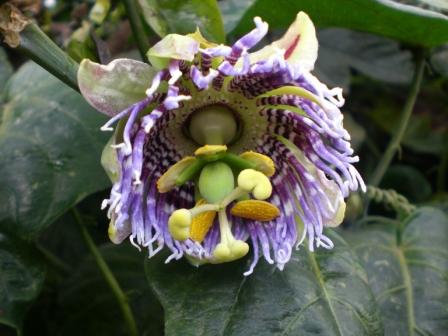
(409, 279)
(341, 50)
(50, 145)
(322, 293)
(407, 23)
(22, 274)
(182, 17)
(100, 313)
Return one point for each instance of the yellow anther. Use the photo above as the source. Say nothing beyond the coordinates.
(255, 210)
(229, 248)
(263, 163)
(179, 224)
(256, 183)
(239, 249)
(230, 251)
(222, 252)
(210, 149)
(201, 223)
(168, 180)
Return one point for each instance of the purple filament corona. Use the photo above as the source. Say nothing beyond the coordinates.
(141, 212)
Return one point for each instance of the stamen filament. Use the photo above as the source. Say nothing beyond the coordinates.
(203, 208)
(235, 194)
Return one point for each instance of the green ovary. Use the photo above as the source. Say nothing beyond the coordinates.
(216, 182)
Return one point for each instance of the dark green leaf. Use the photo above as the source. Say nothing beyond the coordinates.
(407, 181)
(5, 70)
(379, 58)
(182, 17)
(21, 278)
(356, 131)
(100, 313)
(407, 23)
(409, 279)
(322, 293)
(423, 134)
(50, 145)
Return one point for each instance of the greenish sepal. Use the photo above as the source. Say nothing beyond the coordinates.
(216, 182)
(196, 262)
(190, 172)
(114, 87)
(172, 46)
(158, 62)
(237, 162)
(109, 160)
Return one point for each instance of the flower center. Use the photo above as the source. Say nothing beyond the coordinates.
(213, 125)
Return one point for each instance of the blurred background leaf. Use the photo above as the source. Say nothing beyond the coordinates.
(322, 293)
(342, 50)
(408, 272)
(50, 146)
(406, 23)
(232, 11)
(439, 60)
(182, 17)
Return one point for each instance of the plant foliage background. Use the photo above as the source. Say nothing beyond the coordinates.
(387, 275)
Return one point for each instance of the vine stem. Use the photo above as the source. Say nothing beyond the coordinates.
(108, 276)
(42, 50)
(137, 27)
(394, 143)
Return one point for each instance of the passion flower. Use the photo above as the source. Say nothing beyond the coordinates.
(216, 146)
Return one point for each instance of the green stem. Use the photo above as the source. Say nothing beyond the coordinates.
(394, 144)
(108, 276)
(42, 50)
(137, 27)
